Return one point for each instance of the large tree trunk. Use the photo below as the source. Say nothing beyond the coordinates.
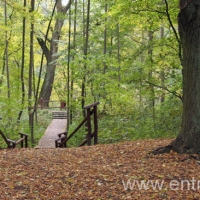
(188, 140)
(51, 64)
(50, 53)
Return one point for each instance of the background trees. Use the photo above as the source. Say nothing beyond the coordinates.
(125, 54)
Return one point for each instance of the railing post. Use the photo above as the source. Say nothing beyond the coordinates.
(26, 141)
(41, 103)
(22, 142)
(89, 135)
(95, 125)
(90, 110)
(62, 105)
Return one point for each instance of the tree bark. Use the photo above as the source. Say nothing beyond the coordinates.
(73, 47)
(6, 52)
(30, 82)
(85, 52)
(188, 140)
(22, 66)
(68, 68)
(50, 53)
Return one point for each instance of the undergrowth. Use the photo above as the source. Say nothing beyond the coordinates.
(116, 126)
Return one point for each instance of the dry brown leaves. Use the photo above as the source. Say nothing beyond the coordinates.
(99, 172)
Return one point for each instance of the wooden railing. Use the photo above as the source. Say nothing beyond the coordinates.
(91, 110)
(44, 104)
(23, 141)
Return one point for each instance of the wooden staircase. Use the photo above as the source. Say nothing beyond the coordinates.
(59, 115)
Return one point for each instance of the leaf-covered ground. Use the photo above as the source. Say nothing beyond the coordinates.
(99, 172)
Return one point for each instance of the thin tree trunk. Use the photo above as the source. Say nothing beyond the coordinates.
(74, 47)
(3, 70)
(141, 81)
(68, 70)
(150, 54)
(118, 53)
(22, 66)
(162, 73)
(105, 52)
(6, 52)
(105, 39)
(83, 79)
(86, 36)
(31, 67)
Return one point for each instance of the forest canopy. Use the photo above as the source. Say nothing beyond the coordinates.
(124, 54)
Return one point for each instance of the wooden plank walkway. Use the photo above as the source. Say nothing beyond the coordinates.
(48, 139)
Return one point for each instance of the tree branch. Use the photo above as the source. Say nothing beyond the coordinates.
(174, 30)
(165, 88)
(62, 8)
(44, 48)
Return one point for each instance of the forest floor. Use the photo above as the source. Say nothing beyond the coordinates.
(103, 172)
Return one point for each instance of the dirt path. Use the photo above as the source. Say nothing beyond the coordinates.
(48, 139)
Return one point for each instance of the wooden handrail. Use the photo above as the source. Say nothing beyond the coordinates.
(42, 103)
(87, 120)
(12, 144)
(91, 105)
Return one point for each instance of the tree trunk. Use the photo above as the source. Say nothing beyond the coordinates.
(83, 94)
(51, 64)
(72, 71)
(30, 83)
(85, 51)
(118, 53)
(150, 76)
(50, 53)
(162, 73)
(188, 140)
(105, 52)
(6, 51)
(68, 69)
(22, 65)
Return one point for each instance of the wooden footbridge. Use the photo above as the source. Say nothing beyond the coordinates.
(56, 136)
(50, 135)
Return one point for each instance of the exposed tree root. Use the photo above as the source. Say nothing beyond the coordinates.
(178, 147)
(162, 150)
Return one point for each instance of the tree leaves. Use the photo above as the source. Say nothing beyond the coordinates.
(97, 172)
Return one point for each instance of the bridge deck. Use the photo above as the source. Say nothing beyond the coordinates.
(48, 139)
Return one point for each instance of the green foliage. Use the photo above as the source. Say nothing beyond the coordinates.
(11, 127)
(129, 78)
(141, 124)
(134, 73)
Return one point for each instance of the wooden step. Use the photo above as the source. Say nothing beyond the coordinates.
(59, 115)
